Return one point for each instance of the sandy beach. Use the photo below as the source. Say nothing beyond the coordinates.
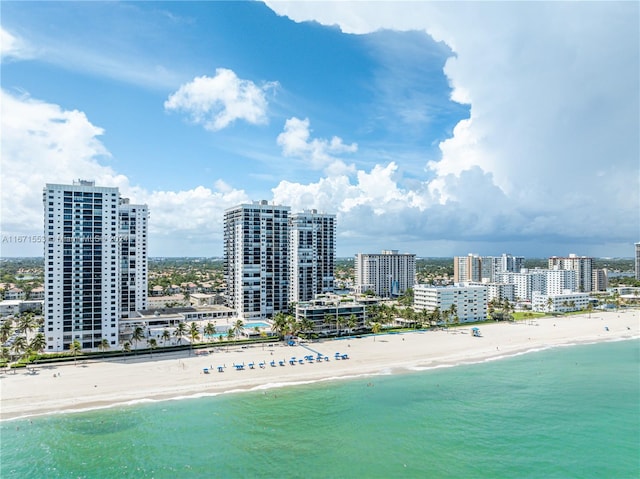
(95, 383)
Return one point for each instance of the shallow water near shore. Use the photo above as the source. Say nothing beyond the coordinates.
(564, 412)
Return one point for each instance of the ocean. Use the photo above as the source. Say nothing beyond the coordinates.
(567, 412)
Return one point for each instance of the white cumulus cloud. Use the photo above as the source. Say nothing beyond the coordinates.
(43, 143)
(319, 153)
(12, 46)
(550, 151)
(216, 102)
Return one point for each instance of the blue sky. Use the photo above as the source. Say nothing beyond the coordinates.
(433, 128)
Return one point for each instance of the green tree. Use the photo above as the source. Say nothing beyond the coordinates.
(436, 316)
(74, 348)
(180, 331)
(136, 336)
(38, 343)
(103, 346)
(329, 319)
(153, 344)
(209, 329)
(375, 329)
(126, 348)
(453, 313)
(590, 308)
(306, 325)
(280, 324)
(6, 330)
(194, 335)
(166, 336)
(19, 346)
(26, 322)
(5, 355)
(238, 327)
(352, 322)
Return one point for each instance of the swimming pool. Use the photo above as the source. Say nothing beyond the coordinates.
(256, 324)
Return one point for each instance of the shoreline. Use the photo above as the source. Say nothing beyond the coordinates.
(97, 384)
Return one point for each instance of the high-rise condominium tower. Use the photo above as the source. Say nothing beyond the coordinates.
(387, 274)
(582, 265)
(256, 259)
(83, 264)
(312, 255)
(638, 261)
(133, 256)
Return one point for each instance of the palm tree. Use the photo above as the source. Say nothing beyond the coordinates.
(238, 327)
(127, 348)
(26, 323)
(137, 335)
(352, 322)
(6, 330)
(181, 330)
(209, 329)
(103, 346)
(194, 335)
(446, 317)
(153, 344)
(38, 343)
(166, 336)
(19, 345)
(453, 311)
(436, 316)
(375, 329)
(5, 355)
(590, 308)
(280, 324)
(329, 319)
(74, 348)
(306, 325)
(549, 304)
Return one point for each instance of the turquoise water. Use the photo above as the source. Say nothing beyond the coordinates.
(256, 325)
(566, 412)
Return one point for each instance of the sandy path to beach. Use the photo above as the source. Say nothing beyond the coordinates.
(91, 384)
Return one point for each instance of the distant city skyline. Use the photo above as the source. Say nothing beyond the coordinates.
(441, 130)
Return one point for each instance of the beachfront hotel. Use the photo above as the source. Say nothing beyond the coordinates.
(273, 258)
(84, 263)
(469, 301)
(388, 274)
(637, 262)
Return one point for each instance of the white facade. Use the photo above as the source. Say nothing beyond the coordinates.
(312, 255)
(499, 291)
(637, 260)
(582, 265)
(470, 301)
(81, 265)
(387, 274)
(133, 221)
(484, 268)
(542, 281)
(559, 303)
(256, 259)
